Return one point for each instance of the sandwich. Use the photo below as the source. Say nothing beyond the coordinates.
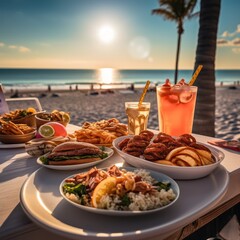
(70, 153)
(40, 146)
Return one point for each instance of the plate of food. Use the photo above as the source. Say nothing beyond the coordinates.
(21, 116)
(55, 116)
(180, 158)
(41, 146)
(15, 135)
(74, 155)
(120, 191)
(101, 133)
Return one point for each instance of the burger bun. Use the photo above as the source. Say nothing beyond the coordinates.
(66, 146)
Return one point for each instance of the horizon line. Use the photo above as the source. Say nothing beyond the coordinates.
(182, 69)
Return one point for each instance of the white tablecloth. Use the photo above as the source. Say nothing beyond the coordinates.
(16, 166)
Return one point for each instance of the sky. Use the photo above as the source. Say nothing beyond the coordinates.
(122, 34)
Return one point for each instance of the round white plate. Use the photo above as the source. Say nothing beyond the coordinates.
(174, 172)
(44, 205)
(77, 166)
(156, 175)
(13, 145)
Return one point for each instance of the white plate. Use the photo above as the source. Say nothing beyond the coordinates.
(174, 172)
(13, 145)
(77, 166)
(44, 205)
(156, 175)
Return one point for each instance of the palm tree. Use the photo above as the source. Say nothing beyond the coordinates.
(204, 119)
(177, 11)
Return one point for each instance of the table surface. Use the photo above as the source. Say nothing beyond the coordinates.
(16, 166)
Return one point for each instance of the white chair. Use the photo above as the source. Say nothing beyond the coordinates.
(36, 100)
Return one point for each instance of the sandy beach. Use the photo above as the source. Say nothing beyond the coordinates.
(83, 106)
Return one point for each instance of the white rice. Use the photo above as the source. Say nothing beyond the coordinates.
(139, 201)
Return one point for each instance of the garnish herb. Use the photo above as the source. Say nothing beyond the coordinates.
(125, 201)
(163, 185)
(78, 189)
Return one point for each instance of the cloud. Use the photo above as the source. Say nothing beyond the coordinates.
(221, 42)
(226, 34)
(228, 43)
(23, 49)
(12, 46)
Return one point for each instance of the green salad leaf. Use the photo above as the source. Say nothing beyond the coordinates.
(163, 185)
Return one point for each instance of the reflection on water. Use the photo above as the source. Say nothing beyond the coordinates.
(106, 75)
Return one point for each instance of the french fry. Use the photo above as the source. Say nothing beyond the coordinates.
(18, 113)
(10, 128)
(101, 132)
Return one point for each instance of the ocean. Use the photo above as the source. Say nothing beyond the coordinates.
(64, 78)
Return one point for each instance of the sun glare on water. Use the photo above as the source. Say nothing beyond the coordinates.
(106, 75)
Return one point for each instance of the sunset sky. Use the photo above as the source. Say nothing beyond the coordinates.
(121, 34)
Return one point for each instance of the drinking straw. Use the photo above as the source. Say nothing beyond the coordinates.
(143, 93)
(194, 76)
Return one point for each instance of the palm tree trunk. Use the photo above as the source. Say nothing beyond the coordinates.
(204, 120)
(177, 57)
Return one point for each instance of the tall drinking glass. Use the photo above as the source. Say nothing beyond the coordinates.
(137, 116)
(176, 106)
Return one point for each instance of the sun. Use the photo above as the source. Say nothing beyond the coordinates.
(106, 33)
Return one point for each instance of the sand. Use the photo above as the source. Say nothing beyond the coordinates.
(86, 107)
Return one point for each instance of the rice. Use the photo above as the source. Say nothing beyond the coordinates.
(140, 201)
(136, 200)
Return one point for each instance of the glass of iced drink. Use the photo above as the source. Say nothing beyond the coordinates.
(137, 116)
(176, 106)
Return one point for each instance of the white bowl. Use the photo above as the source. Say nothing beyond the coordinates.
(156, 175)
(175, 172)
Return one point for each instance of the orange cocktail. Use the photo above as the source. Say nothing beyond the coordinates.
(176, 106)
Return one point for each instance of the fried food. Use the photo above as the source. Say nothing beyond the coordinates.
(94, 136)
(111, 125)
(136, 145)
(164, 149)
(189, 156)
(56, 116)
(102, 132)
(156, 151)
(18, 114)
(10, 128)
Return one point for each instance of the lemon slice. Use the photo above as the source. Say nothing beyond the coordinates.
(46, 131)
(31, 110)
(105, 187)
(185, 97)
(65, 117)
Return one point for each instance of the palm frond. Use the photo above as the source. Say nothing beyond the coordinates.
(190, 6)
(165, 13)
(194, 15)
